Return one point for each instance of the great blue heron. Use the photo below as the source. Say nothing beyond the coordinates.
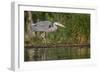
(45, 26)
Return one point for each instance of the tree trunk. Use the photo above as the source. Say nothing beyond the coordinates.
(29, 24)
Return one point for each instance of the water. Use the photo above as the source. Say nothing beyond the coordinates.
(43, 54)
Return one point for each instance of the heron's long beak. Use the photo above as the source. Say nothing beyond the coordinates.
(60, 25)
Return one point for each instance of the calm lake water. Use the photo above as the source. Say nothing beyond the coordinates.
(42, 54)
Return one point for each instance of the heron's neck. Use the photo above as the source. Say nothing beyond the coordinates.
(54, 26)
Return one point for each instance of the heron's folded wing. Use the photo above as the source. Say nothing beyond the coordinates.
(43, 23)
(41, 26)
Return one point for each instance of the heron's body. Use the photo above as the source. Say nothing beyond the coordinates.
(44, 26)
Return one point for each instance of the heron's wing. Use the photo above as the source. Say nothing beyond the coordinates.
(41, 26)
(43, 23)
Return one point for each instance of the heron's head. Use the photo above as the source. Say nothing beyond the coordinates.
(58, 24)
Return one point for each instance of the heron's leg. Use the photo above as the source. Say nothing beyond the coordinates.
(43, 39)
(43, 35)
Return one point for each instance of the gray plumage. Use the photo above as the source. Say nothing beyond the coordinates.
(45, 26)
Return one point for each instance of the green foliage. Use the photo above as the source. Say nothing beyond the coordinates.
(76, 26)
(77, 30)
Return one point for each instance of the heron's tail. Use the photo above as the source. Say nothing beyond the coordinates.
(33, 24)
(33, 27)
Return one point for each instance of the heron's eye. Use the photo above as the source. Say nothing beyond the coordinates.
(50, 26)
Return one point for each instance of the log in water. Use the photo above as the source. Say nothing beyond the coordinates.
(57, 46)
